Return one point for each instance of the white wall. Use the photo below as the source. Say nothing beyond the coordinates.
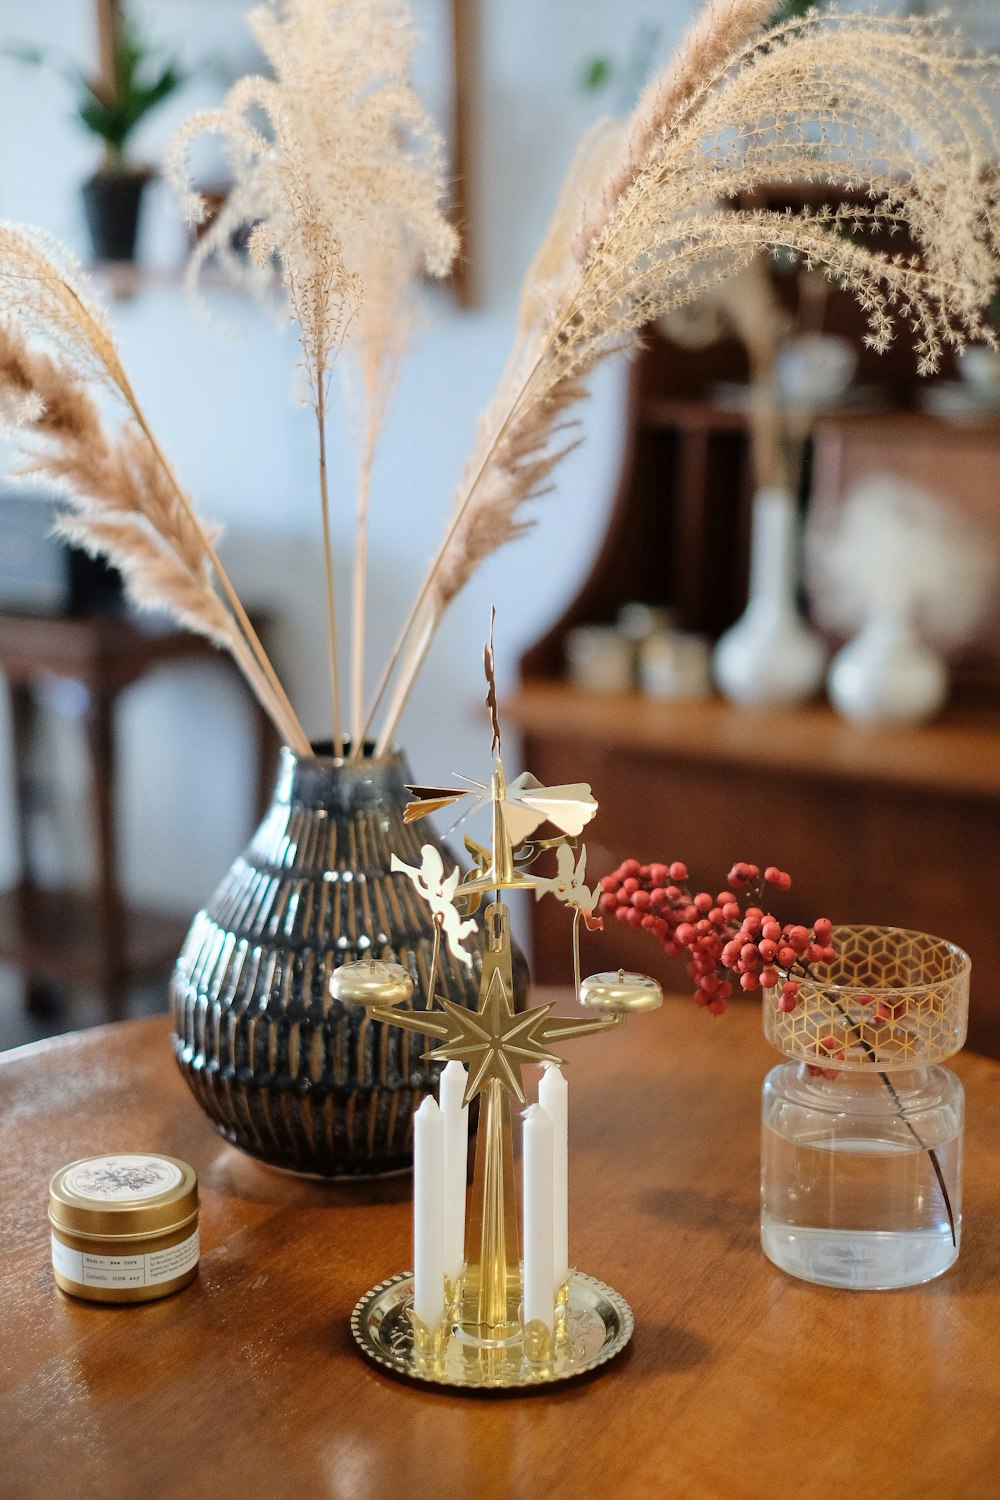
(225, 411)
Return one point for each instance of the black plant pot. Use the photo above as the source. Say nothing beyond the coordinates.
(111, 203)
(284, 1070)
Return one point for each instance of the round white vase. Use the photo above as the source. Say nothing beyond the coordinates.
(886, 675)
(770, 655)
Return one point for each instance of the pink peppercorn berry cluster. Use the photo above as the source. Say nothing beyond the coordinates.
(729, 939)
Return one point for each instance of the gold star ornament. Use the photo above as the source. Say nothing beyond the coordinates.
(496, 1042)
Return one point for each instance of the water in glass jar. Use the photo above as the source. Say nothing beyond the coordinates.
(859, 1208)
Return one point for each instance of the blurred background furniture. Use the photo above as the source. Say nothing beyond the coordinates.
(895, 826)
(958, 458)
(892, 826)
(65, 938)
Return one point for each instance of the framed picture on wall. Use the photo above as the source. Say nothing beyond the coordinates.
(444, 70)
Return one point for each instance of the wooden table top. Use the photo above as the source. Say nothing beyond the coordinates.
(740, 1382)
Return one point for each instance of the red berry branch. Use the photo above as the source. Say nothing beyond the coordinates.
(730, 939)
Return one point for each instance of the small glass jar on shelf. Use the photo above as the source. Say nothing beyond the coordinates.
(861, 1161)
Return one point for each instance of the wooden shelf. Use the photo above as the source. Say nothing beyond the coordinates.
(692, 415)
(54, 934)
(955, 757)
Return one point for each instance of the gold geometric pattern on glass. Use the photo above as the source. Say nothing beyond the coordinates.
(890, 999)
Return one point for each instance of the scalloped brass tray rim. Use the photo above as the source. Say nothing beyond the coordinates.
(589, 1292)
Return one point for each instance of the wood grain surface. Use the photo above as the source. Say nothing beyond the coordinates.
(740, 1382)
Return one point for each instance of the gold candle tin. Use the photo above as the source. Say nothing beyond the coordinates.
(124, 1227)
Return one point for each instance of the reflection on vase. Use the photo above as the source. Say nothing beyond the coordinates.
(770, 655)
(283, 1070)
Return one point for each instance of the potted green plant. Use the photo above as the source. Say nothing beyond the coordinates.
(111, 108)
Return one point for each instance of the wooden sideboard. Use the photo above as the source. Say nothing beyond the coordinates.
(898, 826)
(893, 826)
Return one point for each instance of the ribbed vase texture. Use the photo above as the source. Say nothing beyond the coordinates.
(283, 1069)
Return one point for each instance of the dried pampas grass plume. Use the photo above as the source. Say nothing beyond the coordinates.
(117, 502)
(340, 171)
(337, 170)
(44, 289)
(720, 33)
(324, 155)
(886, 111)
(123, 499)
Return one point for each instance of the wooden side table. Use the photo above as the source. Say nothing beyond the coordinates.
(97, 939)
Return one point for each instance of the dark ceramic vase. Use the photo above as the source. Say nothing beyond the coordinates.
(283, 1069)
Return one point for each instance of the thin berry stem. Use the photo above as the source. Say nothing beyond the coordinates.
(869, 1051)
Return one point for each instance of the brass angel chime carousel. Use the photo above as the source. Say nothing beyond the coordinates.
(495, 1313)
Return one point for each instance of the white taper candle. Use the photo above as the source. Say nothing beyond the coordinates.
(456, 1165)
(428, 1214)
(539, 1285)
(553, 1096)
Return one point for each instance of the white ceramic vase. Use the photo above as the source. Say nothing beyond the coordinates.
(886, 675)
(770, 655)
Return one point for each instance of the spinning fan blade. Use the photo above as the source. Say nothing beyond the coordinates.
(431, 799)
(570, 808)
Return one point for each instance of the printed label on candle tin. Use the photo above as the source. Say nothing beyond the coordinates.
(124, 1178)
(117, 1272)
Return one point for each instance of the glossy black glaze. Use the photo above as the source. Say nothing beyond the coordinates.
(283, 1070)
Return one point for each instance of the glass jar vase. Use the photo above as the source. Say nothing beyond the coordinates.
(861, 1159)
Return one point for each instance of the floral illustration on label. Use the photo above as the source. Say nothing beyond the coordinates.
(118, 1178)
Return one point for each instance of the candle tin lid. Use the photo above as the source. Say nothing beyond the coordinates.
(123, 1195)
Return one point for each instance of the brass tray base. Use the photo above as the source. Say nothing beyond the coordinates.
(598, 1324)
